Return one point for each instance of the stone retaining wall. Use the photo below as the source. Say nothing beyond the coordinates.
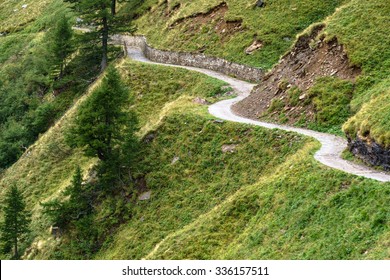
(191, 59)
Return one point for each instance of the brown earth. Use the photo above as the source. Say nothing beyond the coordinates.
(214, 17)
(310, 58)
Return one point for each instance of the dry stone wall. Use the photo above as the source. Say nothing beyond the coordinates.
(191, 59)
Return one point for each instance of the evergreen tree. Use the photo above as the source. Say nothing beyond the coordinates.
(97, 13)
(102, 120)
(16, 221)
(62, 213)
(62, 43)
(104, 129)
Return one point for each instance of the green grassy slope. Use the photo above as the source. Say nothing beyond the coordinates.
(323, 214)
(268, 199)
(363, 28)
(275, 25)
(14, 17)
(31, 97)
(202, 178)
(46, 167)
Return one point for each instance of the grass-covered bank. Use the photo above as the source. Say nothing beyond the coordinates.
(218, 189)
(47, 167)
(201, 177)
(300, 211)
(362, 27)
(228, 30)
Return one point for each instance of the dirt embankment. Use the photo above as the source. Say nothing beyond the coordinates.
(310, 58)
(214, 18)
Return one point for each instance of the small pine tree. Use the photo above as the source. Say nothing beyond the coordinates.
(62, 43)
(16, 221)
(63, 213)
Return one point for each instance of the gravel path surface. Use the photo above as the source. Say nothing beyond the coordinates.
(332, 146)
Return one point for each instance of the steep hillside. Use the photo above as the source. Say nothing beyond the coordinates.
(335, 71)
(311, 86)
(228, 29)
(204, 188)
(31, 95)
(329, 219)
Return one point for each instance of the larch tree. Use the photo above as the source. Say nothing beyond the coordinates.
(16, 221)
(62, 45)
(104, 128)
(97, 13)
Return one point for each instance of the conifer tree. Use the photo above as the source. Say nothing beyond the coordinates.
(62, 213)
(16, 221)
(104, 129)
(62, 43)
(97, 13)
(101, 118)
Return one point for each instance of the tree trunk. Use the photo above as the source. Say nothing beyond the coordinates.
(104, 44)
(16, 253)
(61, 70)
(113, 7)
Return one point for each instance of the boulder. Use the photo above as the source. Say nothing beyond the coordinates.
(175, 159)
(145, 195)
(255, 46)
(229, 148)
(200, 101)
(260, 4)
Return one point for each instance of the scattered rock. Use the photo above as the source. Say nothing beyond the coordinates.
(287, 39)
(260, 4)
(145, 196)
(200, 101)
(229, 148)
(255, 46)
(219, 121)
(150, 137)
(24, 6)
(175, 159)
(55, 231)
(303, 96)
(40, 244)
(92, 177)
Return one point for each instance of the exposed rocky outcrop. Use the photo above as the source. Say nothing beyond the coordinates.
(310, 58)
(370, 152)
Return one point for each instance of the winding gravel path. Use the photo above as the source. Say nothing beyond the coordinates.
(332, 146)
